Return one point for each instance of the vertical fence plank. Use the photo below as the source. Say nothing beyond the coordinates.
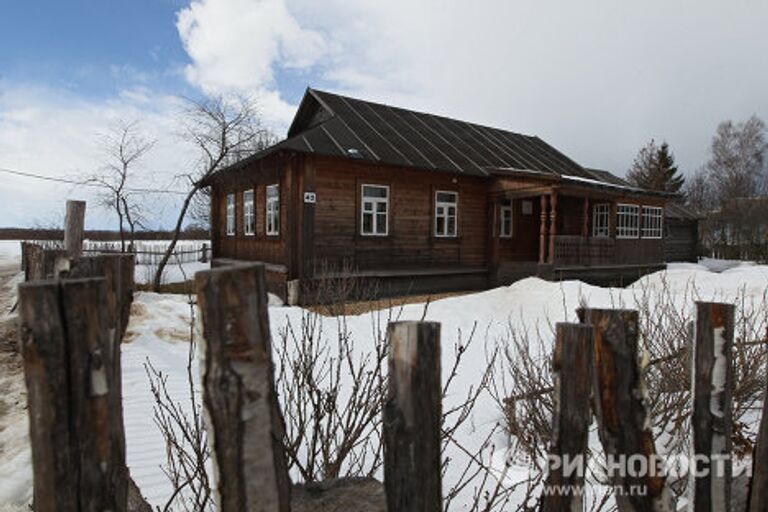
(412, 418)
(572, 366)
(78, 442)
(758, 487)
(74, 228)
(712, 390)
(246, 426)
(98, 423)
(622, 410)
(43, 348)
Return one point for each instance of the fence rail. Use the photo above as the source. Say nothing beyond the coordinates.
(146, 252)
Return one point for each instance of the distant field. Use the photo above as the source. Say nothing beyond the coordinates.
(58, 234)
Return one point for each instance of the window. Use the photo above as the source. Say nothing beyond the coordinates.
(374, 210)
(505, 219)
(653, 221)
(628, 221)
(273, 210)
(248, 218)
(600, 220)
(230, 214)
(446, 204)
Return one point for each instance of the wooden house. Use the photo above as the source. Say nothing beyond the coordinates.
(423, 203)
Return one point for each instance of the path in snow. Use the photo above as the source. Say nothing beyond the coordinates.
(15, 470)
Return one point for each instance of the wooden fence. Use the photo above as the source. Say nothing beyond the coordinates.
(71, 350)
(145, 252)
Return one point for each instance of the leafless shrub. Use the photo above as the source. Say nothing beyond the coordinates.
(332, 398)
(521, 384)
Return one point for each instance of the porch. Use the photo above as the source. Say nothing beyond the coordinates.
(571, 235)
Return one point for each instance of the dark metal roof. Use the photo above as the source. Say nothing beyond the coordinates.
(333, 125)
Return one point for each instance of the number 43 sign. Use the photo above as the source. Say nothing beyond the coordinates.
(310, 197)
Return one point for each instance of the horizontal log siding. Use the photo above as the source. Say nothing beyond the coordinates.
(259, 246)
(410, 242)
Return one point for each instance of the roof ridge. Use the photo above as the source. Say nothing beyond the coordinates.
(387, 105)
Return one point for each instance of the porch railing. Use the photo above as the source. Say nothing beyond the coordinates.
(574, 250)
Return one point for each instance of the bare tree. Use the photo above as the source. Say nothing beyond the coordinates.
(124, 146)
(732, 188)
(223, 130)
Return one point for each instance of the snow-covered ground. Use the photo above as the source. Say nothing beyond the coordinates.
(159, 331)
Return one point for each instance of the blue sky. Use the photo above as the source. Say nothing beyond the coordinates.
(595, 78)
(80, 44)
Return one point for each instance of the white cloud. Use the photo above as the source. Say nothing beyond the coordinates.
(235, 46)
(595, 78)
(55, 133)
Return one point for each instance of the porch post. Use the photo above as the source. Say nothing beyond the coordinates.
(585, 226)
(543, 231)
(552, 227)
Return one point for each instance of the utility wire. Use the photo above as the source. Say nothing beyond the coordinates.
(87, 183)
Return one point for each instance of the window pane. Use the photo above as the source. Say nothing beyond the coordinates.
(367, 207)
(446, 197)
(440, 230)
(452, 225)
(371, 191)
(381, 207)
(381, 224)
(367, 223)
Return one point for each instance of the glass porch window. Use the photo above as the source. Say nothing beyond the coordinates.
(653, 221)
(600, 220)
(627, 221)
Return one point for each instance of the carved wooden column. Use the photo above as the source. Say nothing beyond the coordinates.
(585, 226)
(552, 227)
(543, 231)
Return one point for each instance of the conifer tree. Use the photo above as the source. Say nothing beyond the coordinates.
(654, 168)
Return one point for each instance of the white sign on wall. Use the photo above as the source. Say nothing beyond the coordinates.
(310, 197)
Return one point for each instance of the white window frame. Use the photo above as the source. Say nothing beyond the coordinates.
(627, 221)
(249, 217)
(506, 231)
(653, 222)
(374, 203)
(601, 220)
(445, 215)
(231, 219)
(272, 208)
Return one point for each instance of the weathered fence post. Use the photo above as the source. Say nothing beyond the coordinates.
(572, 366)
(412, 419)
(622, 411)
(78, 442)
(204, 255)
(712, 389)
(246, 427)
(74, 228)
(758, 487)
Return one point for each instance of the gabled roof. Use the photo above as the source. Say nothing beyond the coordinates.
(334, 125)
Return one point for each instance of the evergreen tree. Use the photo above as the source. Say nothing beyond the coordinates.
(654, 168)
